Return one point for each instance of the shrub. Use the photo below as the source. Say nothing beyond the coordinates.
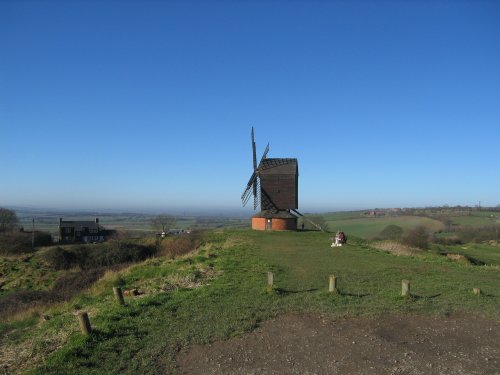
(59, 258)
(108, 254)
(417, 237)
(14, 243)
(96, 256)
(450, 241)
(181, 245)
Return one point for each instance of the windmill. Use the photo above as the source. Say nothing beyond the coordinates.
(274, 186)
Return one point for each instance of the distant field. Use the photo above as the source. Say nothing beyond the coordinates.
(351, 222)
(139, 223)
(369, 227)
(476, 220)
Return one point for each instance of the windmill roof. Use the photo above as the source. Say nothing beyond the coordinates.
(287, 164)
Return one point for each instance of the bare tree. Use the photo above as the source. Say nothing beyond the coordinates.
(8, 220)
(163, 223)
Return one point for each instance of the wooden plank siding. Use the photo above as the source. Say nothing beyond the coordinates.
(279, 184)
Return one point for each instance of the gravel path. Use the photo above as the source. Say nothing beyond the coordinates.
(304, 344)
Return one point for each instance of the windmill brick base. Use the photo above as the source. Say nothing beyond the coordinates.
(281, 220)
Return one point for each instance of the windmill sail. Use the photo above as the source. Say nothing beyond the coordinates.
(253, 185)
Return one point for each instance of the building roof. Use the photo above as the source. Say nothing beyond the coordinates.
(280, 165)
(80, 224)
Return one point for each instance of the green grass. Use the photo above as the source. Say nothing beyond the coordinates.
(144, 336)
(475, 220)
(376, 276)
(369, 227)
(25, 272)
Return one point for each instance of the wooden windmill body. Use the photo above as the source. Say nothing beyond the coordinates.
(274, 187)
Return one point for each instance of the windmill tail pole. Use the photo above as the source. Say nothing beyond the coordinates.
(313, 223)
(309, 220)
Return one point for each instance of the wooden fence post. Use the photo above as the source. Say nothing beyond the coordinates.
(117, 291)
(270, 281)
(84, 321)
(332, 285)
(405, 288)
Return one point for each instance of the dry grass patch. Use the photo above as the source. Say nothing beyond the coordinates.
(23, 354)
(396, 248)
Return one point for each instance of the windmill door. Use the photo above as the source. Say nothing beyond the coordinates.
(269, 224)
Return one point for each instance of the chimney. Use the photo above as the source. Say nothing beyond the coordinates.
(97, 220)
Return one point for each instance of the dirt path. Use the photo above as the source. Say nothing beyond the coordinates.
(303, 344)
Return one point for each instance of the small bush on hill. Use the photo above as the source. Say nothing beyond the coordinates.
(109, 254)
(176, 246)
(59, 258)
(95, 256)
(417, 237)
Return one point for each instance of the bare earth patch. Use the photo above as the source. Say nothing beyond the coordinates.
(304, 344)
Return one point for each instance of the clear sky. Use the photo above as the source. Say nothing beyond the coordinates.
(149, 104)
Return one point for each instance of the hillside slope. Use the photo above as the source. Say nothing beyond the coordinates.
(220, 291)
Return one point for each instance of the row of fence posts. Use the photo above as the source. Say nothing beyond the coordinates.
(83, 316)
(332, 285)
(86, 328)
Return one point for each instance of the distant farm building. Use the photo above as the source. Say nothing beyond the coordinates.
(375, 213)
(82, 231)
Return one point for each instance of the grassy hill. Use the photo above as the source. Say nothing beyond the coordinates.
(359, 224)
(220, 291)
(369, 227)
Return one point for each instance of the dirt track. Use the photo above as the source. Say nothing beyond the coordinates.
(298, 344)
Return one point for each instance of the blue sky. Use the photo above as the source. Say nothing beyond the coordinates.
(148, 105)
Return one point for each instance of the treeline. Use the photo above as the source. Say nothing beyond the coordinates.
(476, 234)
(14, 240)
(16, 243)
(421, 238)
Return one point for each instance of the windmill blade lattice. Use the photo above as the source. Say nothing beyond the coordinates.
(256, 197)
(247, 193)
(264, 154)
(253, 185)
